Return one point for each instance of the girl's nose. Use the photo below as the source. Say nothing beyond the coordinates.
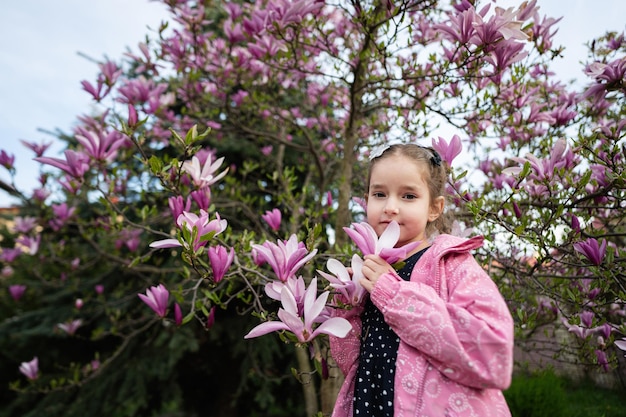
(391, 209)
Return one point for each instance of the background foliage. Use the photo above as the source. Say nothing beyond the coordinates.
(293, 95)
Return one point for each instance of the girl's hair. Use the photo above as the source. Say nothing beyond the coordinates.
(434, 170)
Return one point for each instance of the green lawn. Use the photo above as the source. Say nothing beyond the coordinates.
(546, 395)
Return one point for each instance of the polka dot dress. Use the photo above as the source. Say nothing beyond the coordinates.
(373, 391)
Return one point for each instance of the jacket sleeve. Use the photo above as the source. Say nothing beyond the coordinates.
(345, 350)
(468, 337)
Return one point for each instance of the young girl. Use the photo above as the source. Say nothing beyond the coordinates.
(435, 338)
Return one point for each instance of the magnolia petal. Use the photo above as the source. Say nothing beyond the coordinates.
(389, 237)
(312, 311)
(288, 301)
(293, 324)
(165, 243)
(265, 328)
(336, 326)
(338, 269)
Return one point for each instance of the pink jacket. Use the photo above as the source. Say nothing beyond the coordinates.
(456, 332)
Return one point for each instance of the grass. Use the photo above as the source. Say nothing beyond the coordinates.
(587, 400)
(544, 394)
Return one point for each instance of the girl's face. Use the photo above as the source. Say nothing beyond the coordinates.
(398, 191)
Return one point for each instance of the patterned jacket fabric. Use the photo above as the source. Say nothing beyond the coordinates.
(456, 337)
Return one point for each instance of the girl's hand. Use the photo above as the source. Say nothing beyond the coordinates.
(373, 267)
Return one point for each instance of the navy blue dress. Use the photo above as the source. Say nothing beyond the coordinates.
(373, 390)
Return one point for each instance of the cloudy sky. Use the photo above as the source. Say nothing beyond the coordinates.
(43, 44)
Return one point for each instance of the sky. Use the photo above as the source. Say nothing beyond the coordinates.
(43, 45)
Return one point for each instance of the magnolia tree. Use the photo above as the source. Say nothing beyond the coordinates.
(215, 196)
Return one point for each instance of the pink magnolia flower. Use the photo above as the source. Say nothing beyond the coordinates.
(197, 230)
(178, 205)
(602, 360)
(71, 326)
(296, 287)
(30, 369)
(156, 298)
(38, 148)
(95, 91)
(29, 244)
(101, 146)
(132, 116)
(210, 320)
(220, 259)
(24, 224)
(7, 160)
(17, 291)
(99, 288)
(560, 156)
(75, 163)
(129, 238)
(62, 213)
(204, 175)
(302, 325)
(448, 151)
(285, 257)
(178, 315)
(202, 197)
(592, 250)
(9, 254)
(345, 282)
(75, 263)
(273, 218)
(364, 236)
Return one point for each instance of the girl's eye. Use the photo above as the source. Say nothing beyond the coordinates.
(378, 194)
(410, 196)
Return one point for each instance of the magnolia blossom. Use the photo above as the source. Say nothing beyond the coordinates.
(156, 298)
(364, 236)
(71, 326)
(178, 314)
(592, 250)
(101, 146)
(75, 163)
(7, 160)
(220, 259)
(448, 151)
(62, 213)
(296, 287)
(29, 244)
(585, 330)
(285, 257)
(204, 175)
(560, 157)
(129, 238)
(272, 218)
(197, 230)
(9, 254)
(17, 291)
(301, 325)
(345, 282)
(30, 369)
(178, 205)
(210, 320)
(24, 224)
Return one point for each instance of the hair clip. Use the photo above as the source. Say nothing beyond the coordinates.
(378, 151)
(435, 159)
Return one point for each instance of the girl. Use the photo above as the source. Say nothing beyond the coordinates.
(434, 338)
